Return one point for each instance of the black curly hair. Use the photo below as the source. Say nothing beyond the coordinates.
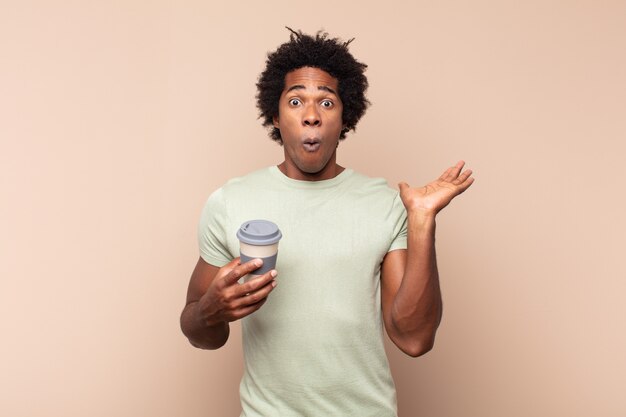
(328, 54)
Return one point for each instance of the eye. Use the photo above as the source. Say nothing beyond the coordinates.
(327, 104)
(294, 102)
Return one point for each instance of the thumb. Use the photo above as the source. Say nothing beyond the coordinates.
(231, 265)
(402, 186)
(235, 269)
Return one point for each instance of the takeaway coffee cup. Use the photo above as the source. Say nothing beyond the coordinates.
(259, 239)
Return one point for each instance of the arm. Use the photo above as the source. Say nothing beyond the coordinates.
(411, 295)
(215, 298)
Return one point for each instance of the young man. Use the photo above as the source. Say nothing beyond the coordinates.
(355, 254)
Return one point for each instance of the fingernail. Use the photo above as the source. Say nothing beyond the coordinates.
(273, 273)
(257, 262)
(274, 284)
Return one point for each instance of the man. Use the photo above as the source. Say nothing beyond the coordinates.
(355, 254)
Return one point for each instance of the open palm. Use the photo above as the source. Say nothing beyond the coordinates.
(433, 197)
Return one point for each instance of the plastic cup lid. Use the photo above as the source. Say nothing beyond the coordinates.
(259, 232)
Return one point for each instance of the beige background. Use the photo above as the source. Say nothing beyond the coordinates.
(118, 118)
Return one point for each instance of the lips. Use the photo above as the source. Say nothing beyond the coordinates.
(311, 145)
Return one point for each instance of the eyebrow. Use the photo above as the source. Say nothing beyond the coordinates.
(321, 87)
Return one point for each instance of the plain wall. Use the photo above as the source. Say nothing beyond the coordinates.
(119, 118)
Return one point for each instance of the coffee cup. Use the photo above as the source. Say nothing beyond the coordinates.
(259, 239)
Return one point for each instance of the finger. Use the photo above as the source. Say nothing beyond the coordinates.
(256, 283)
(243, 269)
(402, 186)
(455, 170)
(446, 174)
(232, 264)
(465, 185)
(463, 177)
(226, 270)
(246, 311)
(256, 296)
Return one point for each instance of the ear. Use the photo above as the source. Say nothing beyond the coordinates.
(275, 122)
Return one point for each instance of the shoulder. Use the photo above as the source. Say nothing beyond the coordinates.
(377, 186)
(243, 184)
(376, 196)
(262, 175)
(237, 186)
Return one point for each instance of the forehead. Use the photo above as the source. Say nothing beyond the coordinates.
(310, 77)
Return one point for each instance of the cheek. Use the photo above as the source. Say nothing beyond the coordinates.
(338, 117)
(288, 121)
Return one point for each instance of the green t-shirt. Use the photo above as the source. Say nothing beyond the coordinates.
(315, 348)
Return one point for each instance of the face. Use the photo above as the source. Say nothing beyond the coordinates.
(309, 119)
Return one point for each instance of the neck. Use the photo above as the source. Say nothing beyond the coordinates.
(331, 170)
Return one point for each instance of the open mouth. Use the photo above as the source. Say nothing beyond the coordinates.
(311, 145)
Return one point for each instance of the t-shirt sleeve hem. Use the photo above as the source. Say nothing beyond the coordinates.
(215, 261)
(399, 243)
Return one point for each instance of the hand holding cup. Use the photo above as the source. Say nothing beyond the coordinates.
(226, 300)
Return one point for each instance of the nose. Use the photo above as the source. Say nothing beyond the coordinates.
(311, 117)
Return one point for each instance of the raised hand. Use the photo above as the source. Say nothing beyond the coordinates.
(433, 197)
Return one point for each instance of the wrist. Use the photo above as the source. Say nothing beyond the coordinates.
(421, 219)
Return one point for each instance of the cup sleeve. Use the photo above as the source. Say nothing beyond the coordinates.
(212, 231)
(398, 218)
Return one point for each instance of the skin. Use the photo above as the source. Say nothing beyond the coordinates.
(411, 295)
(311, 110)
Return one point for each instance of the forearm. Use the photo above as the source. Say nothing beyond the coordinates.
(200, 334)
(417, 307)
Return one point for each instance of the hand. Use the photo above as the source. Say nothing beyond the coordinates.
(226, 300)
(431, 198)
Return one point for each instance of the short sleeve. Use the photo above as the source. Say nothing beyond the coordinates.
(399, 219)
(212, 231)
